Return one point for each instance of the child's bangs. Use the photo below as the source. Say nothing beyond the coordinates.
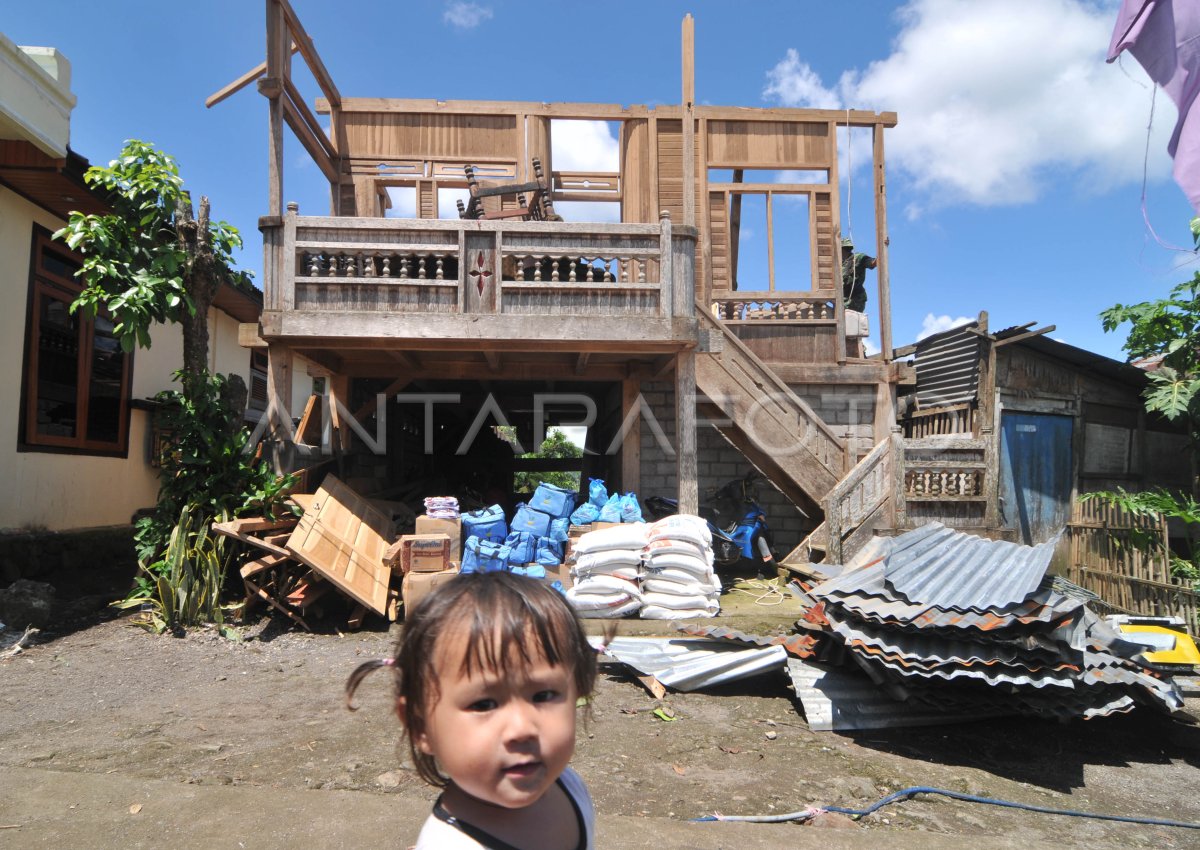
(508, 630)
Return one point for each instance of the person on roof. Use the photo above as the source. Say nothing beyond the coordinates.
(854, 273)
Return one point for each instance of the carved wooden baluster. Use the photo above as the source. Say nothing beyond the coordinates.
(387, 266)
(440, 273)
(421, 269)
(520, 268)
(368, 265)
(554, 271)
(403, 267)
(641, 267)
(314, 265)
(537, 270)
(591, 272)
(623, 270)
(571, 276)
(609, 265)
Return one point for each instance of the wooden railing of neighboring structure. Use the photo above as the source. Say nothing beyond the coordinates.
(501, 267)
(941, 421)
(861, 501)
(1128, 579)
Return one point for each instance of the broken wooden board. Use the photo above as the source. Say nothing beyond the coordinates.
(302, 500)
(228, 529)
(343, 537)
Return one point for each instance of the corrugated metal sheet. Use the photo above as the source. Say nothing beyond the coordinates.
(962, 571)
(840, 699)
(947, 620)
(687, 664)
(947, 366)
(799, 645)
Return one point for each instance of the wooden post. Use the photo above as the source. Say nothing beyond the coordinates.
(339, 393)
(272, 87)
(279, 404)
(685, 431)
(881, 248)
(689, 120)
(631, 447)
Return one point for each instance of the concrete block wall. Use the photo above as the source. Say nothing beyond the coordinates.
(848, 410)
(717, 463)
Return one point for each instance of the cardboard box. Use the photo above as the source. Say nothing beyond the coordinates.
(417, 586)
(562, 573)
(451, 527)
(424, 553)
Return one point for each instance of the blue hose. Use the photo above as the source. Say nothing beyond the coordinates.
(904, 794)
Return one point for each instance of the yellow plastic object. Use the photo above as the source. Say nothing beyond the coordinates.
(1177, 646)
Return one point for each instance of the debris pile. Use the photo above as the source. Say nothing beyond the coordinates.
(957, 622)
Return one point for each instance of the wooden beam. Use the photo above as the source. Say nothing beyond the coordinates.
(631, 446)
(295, 120)
(734, 200)
(249, 336)
(240, 83)
(391, 389)
(881, 248)
(685, 432)
(689, 121)
(1024, 336)
(328, 360)
(309, 51)
(493, 360)
(411, 362)
(277, 59)
(581, 362)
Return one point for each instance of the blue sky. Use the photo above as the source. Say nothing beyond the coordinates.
(1015, 174)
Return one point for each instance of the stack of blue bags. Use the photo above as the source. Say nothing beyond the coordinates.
(532, 542)
(602, 506)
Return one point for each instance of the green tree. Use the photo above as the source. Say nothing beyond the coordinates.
(555, 446)
(1169, 329)
(152, 259)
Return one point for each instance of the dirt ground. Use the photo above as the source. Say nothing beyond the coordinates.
(112, 737)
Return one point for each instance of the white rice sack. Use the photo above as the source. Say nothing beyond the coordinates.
(612, 613)
(709, 582)
(609, 558)
(624, 571)
(674, 600)
(657, 612)
(688, 563)
(600, 584)
(674, 546)
(627, 535)
(687, 587)
(682, 527)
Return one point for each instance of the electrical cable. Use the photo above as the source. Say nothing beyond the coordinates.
(806, 814)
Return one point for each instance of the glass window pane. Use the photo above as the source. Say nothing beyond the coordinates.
(57, 378)
(104, 390)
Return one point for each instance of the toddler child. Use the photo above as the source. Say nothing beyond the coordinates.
(487, 674)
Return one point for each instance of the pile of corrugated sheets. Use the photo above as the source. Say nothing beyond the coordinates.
(959, 622)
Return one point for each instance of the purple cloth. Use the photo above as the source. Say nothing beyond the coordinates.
(1164, 37)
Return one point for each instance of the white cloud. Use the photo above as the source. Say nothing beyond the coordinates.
(584, 146)
(996, 96)
(932, 324)
(466, 16)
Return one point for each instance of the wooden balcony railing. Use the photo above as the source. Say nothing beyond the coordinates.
(338, 265)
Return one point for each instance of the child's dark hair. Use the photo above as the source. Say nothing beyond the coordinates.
(506, 618)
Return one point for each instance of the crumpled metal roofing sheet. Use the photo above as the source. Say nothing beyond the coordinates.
(799, 645)
(839, 699)
(687, 664)
(935, 565)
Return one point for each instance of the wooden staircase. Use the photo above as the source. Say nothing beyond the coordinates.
(760, 415)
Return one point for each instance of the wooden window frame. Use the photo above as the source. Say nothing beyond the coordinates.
(46, 283)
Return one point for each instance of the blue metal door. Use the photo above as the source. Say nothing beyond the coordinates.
(1035, 474)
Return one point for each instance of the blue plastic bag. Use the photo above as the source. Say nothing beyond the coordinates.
(597, 492)
(585, 514)
(611, 512)
(531, 571)
(631, 511)
(486, 524)
(522, 547)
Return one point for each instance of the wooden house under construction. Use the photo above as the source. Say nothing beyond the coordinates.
(641, 327)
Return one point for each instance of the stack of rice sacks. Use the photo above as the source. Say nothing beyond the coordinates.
(678, 581)
(606, 569)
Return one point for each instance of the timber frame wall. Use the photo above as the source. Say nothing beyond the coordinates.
(358, 292)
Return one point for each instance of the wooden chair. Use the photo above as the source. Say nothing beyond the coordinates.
(533, 199)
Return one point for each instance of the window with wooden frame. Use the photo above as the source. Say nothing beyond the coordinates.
(76, 381)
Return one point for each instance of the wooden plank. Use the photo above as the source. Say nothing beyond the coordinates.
(224, 530)
(240, 83)
(309, 51)
(631, 446)
(685, 432)
(266, 562)
(882, 242)
(343, 537)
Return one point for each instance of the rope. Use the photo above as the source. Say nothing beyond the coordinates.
(772, 595)
(849, 181)
(806, 814)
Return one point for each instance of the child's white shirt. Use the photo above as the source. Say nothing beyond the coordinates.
(443, 832)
